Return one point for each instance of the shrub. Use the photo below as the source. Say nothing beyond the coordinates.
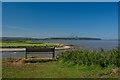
(88, 57)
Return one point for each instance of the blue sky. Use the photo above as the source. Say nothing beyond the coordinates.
(40, 20)
(0, 19)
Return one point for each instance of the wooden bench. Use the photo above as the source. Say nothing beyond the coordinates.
(40, 49)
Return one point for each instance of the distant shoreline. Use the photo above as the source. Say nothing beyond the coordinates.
(51, 38)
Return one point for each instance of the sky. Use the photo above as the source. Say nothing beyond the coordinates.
(60, 19)
(60, 0)
(0, 19)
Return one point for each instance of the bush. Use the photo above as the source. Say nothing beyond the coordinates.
(89, 57)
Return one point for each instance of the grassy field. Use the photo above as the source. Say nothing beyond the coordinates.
(53, 69)
(69, 64)
(24, 44)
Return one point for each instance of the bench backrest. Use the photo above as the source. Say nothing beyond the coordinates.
(40, 49)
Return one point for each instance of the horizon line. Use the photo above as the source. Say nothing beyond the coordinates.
(60, 37)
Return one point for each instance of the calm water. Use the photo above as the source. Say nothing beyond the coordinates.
(84, 44)
(89, 44)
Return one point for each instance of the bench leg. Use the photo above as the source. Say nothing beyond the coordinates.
(53, 55)
(26, 55)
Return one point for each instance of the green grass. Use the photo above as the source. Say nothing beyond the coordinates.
(18, 68)
(69, 64)
(24, 44)
(53, 70)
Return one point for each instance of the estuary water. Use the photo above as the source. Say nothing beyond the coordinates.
(83, 44)
(88, 44)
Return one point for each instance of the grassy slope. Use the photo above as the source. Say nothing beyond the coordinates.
(53, 70)
(21, 44)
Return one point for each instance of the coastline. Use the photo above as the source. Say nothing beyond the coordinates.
(24, 49)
